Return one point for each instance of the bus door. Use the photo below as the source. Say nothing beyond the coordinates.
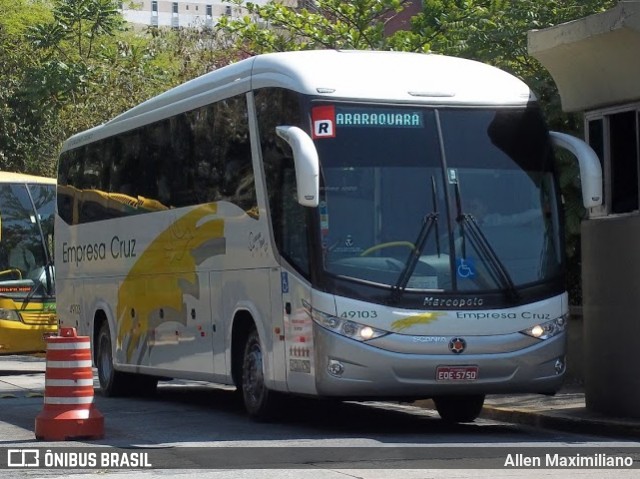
(298, 332)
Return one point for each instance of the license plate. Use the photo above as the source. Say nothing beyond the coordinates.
(457, 373)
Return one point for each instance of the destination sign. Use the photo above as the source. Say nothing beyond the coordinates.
(367, 117)
(327, 119)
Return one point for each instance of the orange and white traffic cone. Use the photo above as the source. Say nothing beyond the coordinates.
(69, 411)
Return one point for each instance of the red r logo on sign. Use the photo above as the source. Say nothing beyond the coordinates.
(324, 120)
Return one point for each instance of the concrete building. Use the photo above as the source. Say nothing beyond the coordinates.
(595, 64)
(199, 13)
(179, 13)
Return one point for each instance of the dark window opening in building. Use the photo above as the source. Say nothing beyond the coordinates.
(624, 161)
(175, 7)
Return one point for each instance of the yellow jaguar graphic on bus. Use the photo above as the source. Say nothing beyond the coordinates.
(144, 303)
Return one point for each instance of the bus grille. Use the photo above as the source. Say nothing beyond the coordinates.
(38, 317)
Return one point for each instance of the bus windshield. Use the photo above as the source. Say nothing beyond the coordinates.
(26, 238)
(437, 199)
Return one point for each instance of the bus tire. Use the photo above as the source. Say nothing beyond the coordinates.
(112, 383)
(456, 409)
(259, 401)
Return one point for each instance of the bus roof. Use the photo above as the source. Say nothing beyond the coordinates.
(416, 78)
(9, 177)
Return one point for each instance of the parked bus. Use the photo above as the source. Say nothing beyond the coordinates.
(27, 283)
(348, 225)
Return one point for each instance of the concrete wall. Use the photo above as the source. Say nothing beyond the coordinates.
(574, 376)
(611, 308)
(594, 60)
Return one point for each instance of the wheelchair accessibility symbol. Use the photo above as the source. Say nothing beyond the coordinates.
(465, 268)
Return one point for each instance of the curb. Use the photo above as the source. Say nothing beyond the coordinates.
(610, 427)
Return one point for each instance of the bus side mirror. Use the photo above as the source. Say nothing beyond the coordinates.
(305, 158)
(590, 170)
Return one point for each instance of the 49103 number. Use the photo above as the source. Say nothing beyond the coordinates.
(359, 314)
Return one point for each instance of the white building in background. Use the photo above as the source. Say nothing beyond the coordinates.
(179, 13)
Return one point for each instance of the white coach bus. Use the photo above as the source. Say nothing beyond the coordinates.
(334, 224)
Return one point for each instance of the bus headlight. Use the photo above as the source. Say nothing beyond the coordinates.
(548, 329)
(9, 314)
(346, 327)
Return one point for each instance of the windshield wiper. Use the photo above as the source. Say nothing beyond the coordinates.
(481, 244)
(48, 260)
(30, 294)
(428, 222)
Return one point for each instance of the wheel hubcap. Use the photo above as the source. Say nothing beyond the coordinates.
(105, 361)
(254, 380)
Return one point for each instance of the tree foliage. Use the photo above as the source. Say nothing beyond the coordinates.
(496, 33)
(322, 24)
(77, 64)
(68, 65)
(22, 123)
(490, 31)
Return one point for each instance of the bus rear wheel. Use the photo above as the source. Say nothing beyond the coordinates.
(456, 409)
(259, 401)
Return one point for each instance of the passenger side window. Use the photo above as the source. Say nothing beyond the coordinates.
(200, 156)
(289, 219)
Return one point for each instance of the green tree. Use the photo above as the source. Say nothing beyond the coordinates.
(21, 123)
(68, 65)
(46, 56)
(490, 31)
(70, 47)
(357, 24)
(495, 32)
(186, 53)
(91, 66)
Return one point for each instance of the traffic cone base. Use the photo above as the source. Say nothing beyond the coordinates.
(78, 424)
(69, 411)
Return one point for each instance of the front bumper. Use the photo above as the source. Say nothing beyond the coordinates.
(19, 338)
(371, 372)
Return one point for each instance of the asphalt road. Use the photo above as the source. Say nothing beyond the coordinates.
(197, 428)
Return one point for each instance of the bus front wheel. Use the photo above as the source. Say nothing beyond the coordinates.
(459, 408)
(259, 401)
(116, 383)
(112, 382)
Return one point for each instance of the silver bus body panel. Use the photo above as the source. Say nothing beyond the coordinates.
(371, 372)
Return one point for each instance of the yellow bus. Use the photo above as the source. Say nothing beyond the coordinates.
(76, 202)
(27, 277)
